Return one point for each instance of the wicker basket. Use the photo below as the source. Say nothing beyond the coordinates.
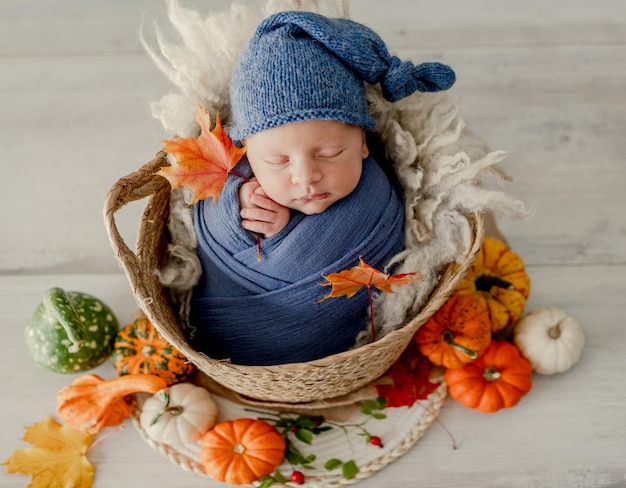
(321, 379)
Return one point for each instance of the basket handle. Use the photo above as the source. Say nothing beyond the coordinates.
(142, 183)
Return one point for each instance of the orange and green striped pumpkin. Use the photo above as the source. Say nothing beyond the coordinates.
(139, 349)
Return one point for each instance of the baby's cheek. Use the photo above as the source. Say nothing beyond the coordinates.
(274, 191)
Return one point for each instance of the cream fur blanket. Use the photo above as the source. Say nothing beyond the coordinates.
(440, 163)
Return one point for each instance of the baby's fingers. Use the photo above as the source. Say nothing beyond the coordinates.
(263, 221)
(264, 202)
(257, 214)
(267, 229)
(246, 191)
(258, 227)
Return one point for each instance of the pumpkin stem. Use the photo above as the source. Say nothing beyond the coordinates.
(175, 410)
(485, 282)
(57, 303)
(239, 449)
(491, 373)
(555, 331)
(448, 337)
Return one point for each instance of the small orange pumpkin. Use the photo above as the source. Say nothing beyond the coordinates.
(139, 349)
(241, 451)
(457, 333)
(498, 275)
(498, 379)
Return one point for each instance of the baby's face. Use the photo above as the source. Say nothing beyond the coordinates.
(308, 166)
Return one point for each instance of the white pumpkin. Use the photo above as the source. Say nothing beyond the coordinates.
(550, 339)
(179, 415)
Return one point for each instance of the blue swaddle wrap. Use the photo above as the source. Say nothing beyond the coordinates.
(266, 312)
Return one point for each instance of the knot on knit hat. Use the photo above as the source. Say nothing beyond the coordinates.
(302, 66)
(403, 78)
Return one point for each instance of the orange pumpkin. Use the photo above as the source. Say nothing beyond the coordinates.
(497, 275)
(498, 379)
(242, 451)
(139, 349)
(457, 333)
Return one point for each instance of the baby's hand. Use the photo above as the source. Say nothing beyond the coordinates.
(259, 213)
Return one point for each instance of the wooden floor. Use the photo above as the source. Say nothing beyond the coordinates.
(544, 80)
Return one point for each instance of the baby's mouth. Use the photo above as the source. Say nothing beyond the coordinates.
(313, 197)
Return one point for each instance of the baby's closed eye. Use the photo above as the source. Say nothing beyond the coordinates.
(277, 161)
(330, 154)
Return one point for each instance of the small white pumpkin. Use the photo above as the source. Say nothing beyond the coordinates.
(550, 339)
(179, 415)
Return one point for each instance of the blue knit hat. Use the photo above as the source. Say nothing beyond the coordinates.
(303, 66)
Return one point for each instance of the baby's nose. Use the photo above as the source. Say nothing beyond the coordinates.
(306, 173)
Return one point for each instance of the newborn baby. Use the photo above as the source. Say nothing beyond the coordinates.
(309, 187)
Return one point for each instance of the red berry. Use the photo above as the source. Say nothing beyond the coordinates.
(376, 441)
(297, 477)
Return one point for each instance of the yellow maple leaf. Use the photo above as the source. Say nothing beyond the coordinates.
(57, 459)
(203, 163)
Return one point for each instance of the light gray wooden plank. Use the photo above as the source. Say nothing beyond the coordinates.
(69, 27)
(66, 142)
(35, 27)
(485, 23)
(569, 431)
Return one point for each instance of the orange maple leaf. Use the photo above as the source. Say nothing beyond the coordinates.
(58, 457)
(203, 163)
(348, 282)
